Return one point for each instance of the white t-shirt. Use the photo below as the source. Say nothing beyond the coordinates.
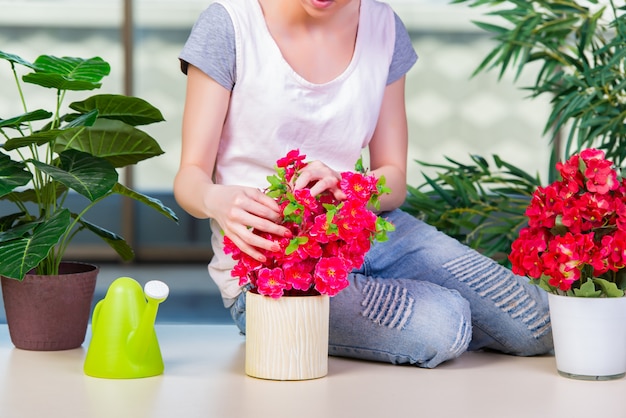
(274, 110)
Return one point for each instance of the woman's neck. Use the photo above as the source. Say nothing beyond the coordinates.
(319, 47)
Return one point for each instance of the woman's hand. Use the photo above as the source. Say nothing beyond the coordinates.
(319, 178)
(239, 210)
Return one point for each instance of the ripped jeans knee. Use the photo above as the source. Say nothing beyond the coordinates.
(399, 321)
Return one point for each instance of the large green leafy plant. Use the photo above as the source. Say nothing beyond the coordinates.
(580, 50)
(48, 154)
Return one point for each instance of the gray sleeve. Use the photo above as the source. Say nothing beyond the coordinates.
(211, 46)
(404, 55)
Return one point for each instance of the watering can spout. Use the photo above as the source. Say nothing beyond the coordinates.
(123, 342)
(140, 338)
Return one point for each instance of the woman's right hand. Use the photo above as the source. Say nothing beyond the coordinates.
(238, 210)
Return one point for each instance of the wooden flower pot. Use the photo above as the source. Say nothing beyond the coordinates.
(287, 338)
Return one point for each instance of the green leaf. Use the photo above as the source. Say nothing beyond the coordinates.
(491, 28)
(292, 207)
(358, 166)
(542, 282)
(131, 110)
(21, 255)
(295, 243)
(87, 119)
(113, 140)
(90, 176)
(10, 232)
(382, 227)
(68, 73)
(38, 138)
(15, 59)
(116, 242)
(444, 194)
(275, 182)
(610, 289)
(19, 120)
(13, 174)
(146, 200)
(587, 290)
(29, 194)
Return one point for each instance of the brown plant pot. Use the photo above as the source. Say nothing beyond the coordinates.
(49, 313)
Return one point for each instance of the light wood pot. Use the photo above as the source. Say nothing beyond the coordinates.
(287, 338)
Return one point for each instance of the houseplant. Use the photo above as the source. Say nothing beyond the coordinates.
(287, 337)
(479, 203)
(48, 154)
(579, 48)
(574, 247)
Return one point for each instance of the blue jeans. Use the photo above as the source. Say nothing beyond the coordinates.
(423, 298)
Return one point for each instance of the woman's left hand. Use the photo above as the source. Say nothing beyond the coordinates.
(319, 178)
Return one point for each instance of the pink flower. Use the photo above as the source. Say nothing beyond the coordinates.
(357, 186)
(331, 275)
(329, 237)
(299, 275)
(271, 282)
(303, 196)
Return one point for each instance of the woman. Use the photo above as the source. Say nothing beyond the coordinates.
(327, 77)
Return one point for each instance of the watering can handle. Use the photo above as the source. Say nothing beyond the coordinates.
(96, 314)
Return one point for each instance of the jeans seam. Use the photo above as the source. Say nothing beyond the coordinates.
(373, 351)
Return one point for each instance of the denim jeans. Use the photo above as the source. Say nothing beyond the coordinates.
(423, 298)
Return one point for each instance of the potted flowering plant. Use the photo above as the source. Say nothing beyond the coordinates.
(329, 237)
(287, 337)
(575, 241)
(574, 247)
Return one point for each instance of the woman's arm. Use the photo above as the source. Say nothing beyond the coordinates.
(237, 209)
(388, 147)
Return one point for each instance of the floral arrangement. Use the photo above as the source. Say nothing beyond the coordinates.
(575, 241)
(329, 237)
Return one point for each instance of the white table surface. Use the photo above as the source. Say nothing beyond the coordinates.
(204, 377)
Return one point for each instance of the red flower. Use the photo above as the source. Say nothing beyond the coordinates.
(599, 173)
(525, 252)
(576, 228)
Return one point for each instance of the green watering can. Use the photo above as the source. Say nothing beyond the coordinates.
(124, 344)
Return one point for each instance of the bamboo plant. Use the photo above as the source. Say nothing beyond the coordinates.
(578, 49)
